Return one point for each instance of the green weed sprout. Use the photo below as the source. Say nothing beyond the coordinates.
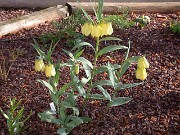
(13, 54)
(142, 21)
(15, 117)
(175, 27)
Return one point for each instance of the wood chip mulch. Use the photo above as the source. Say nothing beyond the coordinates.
(155, 108)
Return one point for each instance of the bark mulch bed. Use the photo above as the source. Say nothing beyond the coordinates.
(154, 109)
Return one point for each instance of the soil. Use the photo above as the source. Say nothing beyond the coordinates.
(154, 109)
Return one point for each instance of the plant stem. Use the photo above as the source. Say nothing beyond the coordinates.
(93, 72)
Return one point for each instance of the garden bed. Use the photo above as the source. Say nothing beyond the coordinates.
(155, 105)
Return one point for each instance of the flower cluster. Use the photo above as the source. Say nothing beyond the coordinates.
(48, 69)
(98, 30)
(141, 68)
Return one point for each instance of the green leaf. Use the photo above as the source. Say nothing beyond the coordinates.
(86, 14)
(109, 39)
(65, 87)
(4, 114)
(100, 10)
(62, 131)
(124, 68)
(126, 86)
(14, 105)
(71, 125)
(78, 54)
(102, 83)
(48, 116)
(53, 93)
(86, 119)
(104, 92)
(175, 28)
(85, 61)
(63, 113)
(100, 70)
(54, 98)
(81, 90)
(68, 53)
(40, 52)
(97, 96)
(119, 101)
(68, 105)
(84, 81)
(47, 85)
(125, 65)
(87, 70)
(83, 44)
(19, 114)
(77, 120)
(133, 59)
(112, 75)
(56, 78)
(110, 49)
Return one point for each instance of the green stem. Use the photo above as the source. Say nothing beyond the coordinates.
(93, 72)
(105, 112)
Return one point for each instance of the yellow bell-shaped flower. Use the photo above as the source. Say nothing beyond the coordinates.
(106, 29)
(76, 68)
(141, 74)
(96, 31)
(110, 28)
(50, 70)
(86, 29)
(143, 63)
(39, 65)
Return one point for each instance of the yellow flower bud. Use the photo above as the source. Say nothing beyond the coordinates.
(96, 31)
(39, 65)
(86, 29)
(143, 63)
(76, 68)
(50, 70)
(141, 74)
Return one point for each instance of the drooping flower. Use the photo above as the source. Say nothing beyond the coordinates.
(39, 65)
(96, 31)
(76, 68)
(143, 63)
(86, 29)
(106, 28)
(141, 74)
(50, 70)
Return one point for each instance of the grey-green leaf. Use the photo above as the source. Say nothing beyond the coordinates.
(102, 83)
(97, 96)
(105, 93)
(109, 39)
(62, 131)
(110, 49)
(126, 86)
(85, 61)
(47, 85)
(119, 101)
(83, 44)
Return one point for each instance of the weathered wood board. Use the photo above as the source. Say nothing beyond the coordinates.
(57, 12)
(34, 19)
(160, 7)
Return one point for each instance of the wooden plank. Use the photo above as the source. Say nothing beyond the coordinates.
(109, 8)
(34, 19)
(50, 3)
